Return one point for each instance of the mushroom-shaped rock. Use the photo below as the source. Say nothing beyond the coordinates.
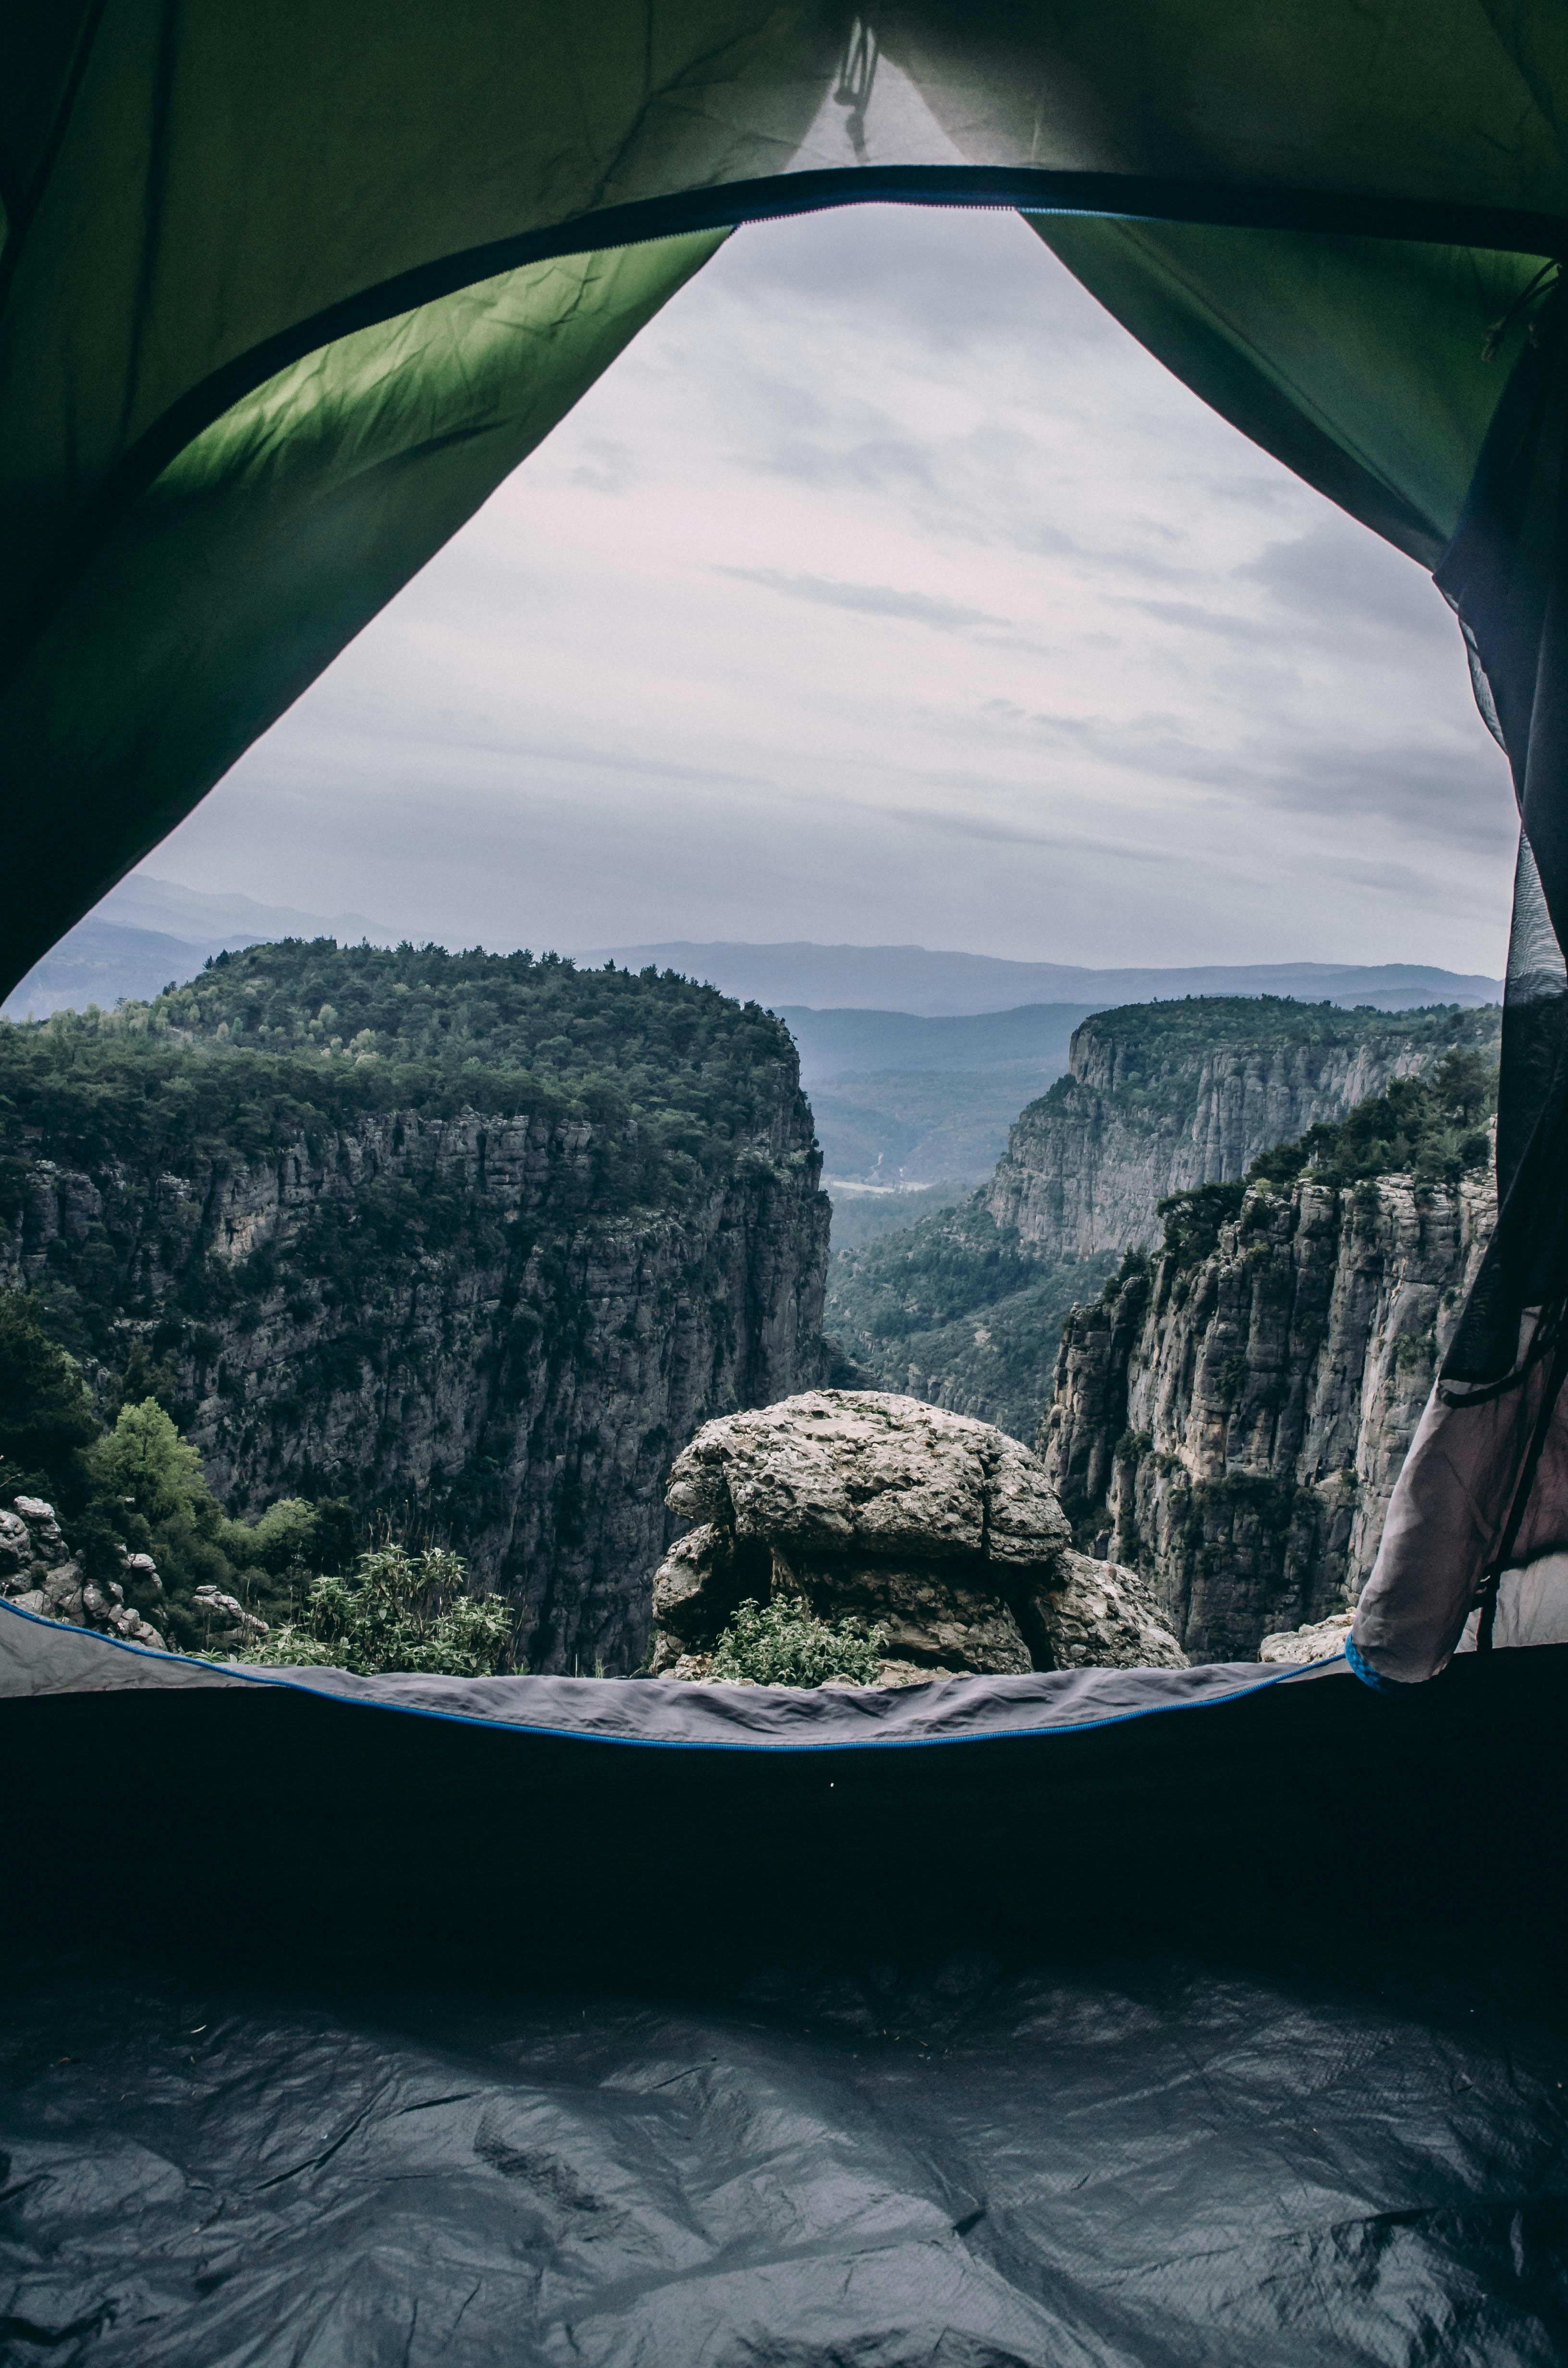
(865, 1506)
(841, 1470)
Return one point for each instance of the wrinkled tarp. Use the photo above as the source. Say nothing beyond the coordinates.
(1157, 2162)
(42, 1656)
(337, 2031)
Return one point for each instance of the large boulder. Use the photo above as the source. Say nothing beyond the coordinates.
(884, 1511)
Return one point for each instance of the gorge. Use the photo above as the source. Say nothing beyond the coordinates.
(965, 1308)
(1230, 1417)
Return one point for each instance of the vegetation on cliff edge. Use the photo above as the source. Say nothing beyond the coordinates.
(1153, 1050)
(1432, 1127)
(134, 1485)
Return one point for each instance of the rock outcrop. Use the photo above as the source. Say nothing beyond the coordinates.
(862, 1505)
(39, 1573)
(1230, 1424)
(231, 1626)
(1320, 1642)
(1161, 1097)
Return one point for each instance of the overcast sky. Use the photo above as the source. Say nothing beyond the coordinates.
(885, 590)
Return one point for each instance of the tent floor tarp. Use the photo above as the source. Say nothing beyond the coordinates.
(1145, 2161)
(1228, 2035)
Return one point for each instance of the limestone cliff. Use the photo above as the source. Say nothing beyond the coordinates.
(1160, 1098)
(491, 1326)
(1231, 1422)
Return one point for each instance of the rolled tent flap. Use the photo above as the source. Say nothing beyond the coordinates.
(1485, 1489)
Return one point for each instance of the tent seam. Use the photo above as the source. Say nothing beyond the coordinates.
(234, 1671)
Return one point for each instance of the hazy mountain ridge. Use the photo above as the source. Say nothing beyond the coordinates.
(930, 984)
(147, 934)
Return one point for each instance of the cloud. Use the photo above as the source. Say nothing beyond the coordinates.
(1436, 792)
(1343, 579)
(919, 274)
(608, 466)
(1440, 791)
(1166, 703)
(1193, 617)
(870, 600)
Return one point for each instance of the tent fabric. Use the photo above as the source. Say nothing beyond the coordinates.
(41, 1657)
(1486, 1484)
(1001, 2022)
(281, 529)
(1243, 317)
(1084, 2165)
(199, 200)
(332, 2032)
(285, 291)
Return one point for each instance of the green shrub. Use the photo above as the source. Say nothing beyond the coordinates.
(139, 1485)
(782, 1643)
(400, 1612)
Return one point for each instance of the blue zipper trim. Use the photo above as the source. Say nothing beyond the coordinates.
(1371, 1678)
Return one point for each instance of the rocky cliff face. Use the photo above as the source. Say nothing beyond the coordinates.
(1161, 1098)
(430, 1317)
(1231, 1424)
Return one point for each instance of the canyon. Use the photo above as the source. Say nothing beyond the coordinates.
(1161, 1098)
(1230, 1420)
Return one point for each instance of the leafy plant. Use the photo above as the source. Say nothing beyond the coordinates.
(400, 1612)
(783, 1643)
(139, 1487)
(1193, 1220)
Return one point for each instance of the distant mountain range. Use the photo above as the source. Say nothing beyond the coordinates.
(836, 1044)
(938, 984)
(900, 1099)
(145, 904)
(148, 932)
(916, 1061)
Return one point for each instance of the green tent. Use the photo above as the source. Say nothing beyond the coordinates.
(288, 288)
